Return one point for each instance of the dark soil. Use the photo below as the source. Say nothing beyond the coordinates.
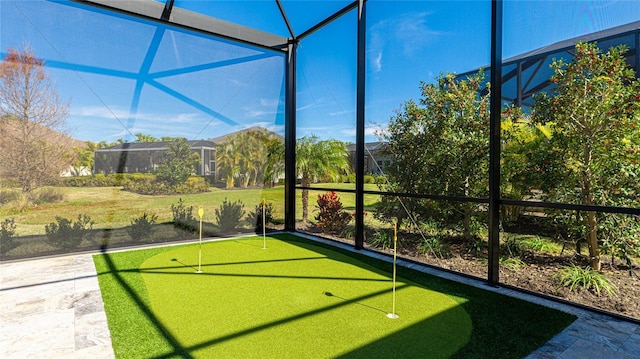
(538, 276)
(537, 273)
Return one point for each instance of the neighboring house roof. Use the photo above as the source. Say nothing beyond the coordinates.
(594, 36)
(369, 146)
(163, 145)
(598, 36)
(155, 146)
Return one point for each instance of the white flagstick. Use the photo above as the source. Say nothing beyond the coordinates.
(393, 314)
(264, 230)
(200, 214)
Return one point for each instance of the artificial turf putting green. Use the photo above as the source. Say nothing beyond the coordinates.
(295, 299)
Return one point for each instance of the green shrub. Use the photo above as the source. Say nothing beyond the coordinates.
(7, 233)
(229, 214)
(575, 277)
(8, 195)
(433, 245)
(369, 179)
(183, 217)
(141, 227)
(477, 245)
(74, 182)
(48, 195)
(146, 185)
(67, 234)
(513, 247)
(331, 215)
(99, 179)
(254, 218)
(193, 185)
(382, 239)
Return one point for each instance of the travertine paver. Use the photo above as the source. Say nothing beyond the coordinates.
(52, 308)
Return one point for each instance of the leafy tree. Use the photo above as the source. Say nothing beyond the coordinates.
(525, 169)
(274, 166)
(178, 164)
(34, 146)
(317, 161)
(244, 157)
(593, 113)
(441, 146)
(167, 138)
(228, 161)
(141, 137)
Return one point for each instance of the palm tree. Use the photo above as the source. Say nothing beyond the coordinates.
(228, 161)
(274, 163)
(319, 160)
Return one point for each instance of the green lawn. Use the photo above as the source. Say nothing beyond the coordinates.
(111, 207)
(301, 299)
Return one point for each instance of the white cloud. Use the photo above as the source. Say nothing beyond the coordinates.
(407, 34)
(376, 62)
(115, 113)
(100, 122)
(269, 102)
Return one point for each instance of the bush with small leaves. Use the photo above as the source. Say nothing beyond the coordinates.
(141, 227)
(7, 233)
(575, 277)
(254, 218)
(193, 185)
(183, 217)
(229, 214)
(331, 216)
(66, 234)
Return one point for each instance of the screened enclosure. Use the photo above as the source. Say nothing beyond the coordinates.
(342, 119)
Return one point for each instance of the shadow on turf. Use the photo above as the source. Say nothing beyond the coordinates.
(329, 294)
(167, 270)
(178, 349)
(421, 339)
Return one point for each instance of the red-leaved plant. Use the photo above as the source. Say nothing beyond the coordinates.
(331, 215)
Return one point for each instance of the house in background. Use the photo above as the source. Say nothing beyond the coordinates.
(145, 157)
(375, 160)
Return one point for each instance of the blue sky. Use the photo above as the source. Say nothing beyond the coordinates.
(100, 61)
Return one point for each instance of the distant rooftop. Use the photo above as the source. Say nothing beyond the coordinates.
(155, 146)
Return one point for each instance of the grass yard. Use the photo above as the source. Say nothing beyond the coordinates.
(112, 207)
(302, 299)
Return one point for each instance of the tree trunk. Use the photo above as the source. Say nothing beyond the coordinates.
(590, 221)
(467, 212)
(229, 182)
(592, 241)
(467, 223)
(305, 201)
